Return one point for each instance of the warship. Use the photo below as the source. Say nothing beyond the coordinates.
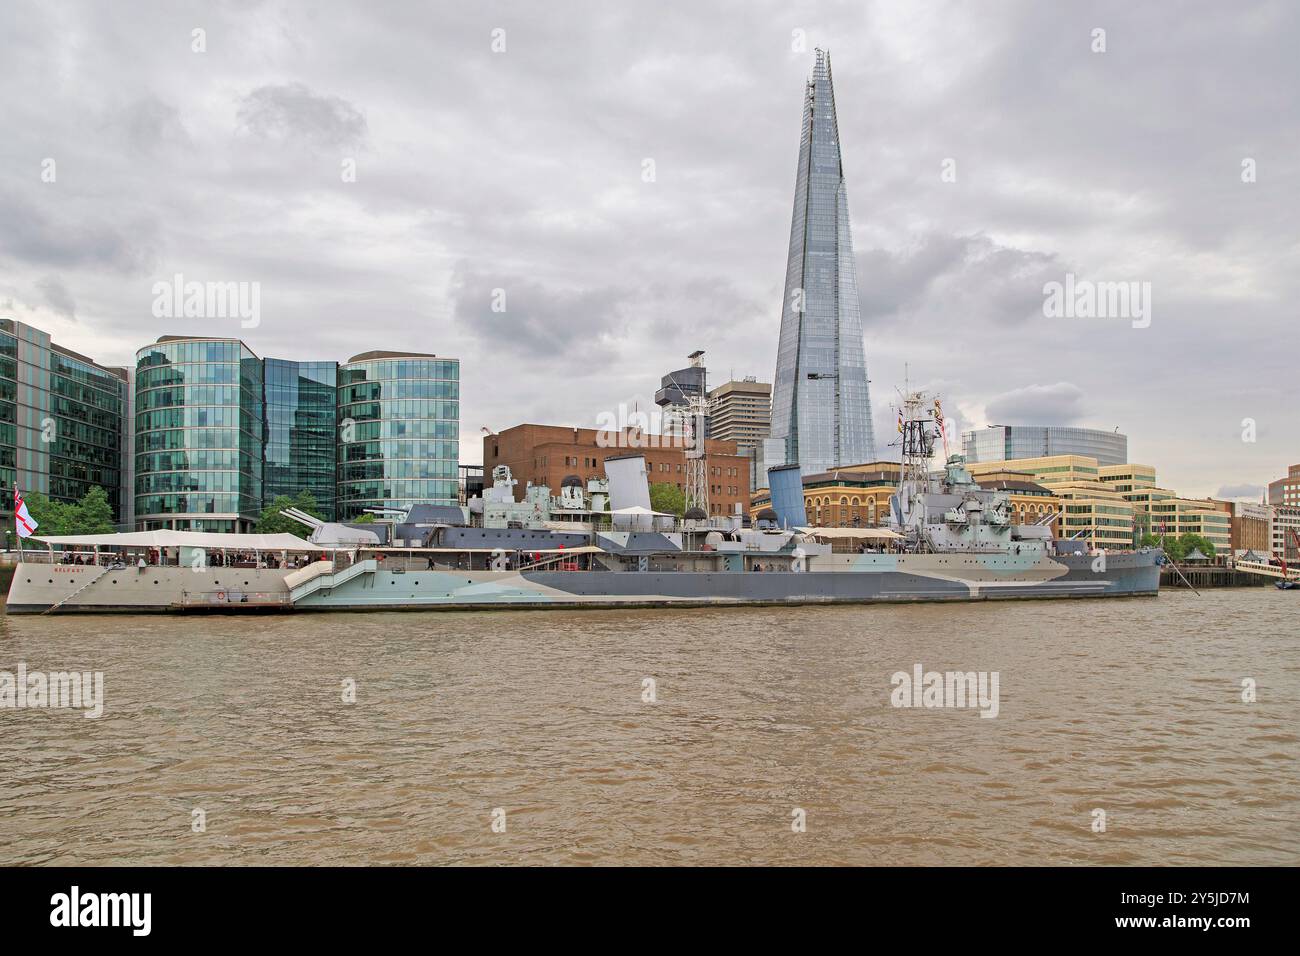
(598, 545)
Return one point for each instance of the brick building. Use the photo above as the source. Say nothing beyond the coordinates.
(547, 454)
(1286, 491)
(1252, 528)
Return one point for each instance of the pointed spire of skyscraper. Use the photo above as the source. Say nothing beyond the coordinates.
(821, 405)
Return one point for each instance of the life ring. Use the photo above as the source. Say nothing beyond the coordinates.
(221, 595)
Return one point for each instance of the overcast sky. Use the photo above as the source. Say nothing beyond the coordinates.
(525, 170)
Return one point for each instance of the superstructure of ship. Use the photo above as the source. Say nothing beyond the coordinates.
(948, 539)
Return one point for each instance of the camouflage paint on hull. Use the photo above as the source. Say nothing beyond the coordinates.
(863, 578)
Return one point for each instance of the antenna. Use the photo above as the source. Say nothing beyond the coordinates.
(695, 429)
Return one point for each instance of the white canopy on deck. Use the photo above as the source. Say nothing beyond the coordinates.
(212, 540)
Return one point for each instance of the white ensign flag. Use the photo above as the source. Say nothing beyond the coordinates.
(25, 523)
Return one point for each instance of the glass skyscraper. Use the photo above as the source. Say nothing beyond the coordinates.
(301, 420)
(62, 421)
(220, 433)
(1007, 442)
(199, 435)
(202, 434)
(399, 432)
(820, 400)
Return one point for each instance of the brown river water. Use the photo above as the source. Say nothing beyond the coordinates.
(1131, 706)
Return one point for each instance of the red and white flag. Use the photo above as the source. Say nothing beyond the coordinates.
(24, 522)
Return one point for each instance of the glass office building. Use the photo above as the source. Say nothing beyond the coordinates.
(399, 432)
(1007, 442)
(62, 420)
(821, 405)
(301, 417)
(202, 434)
(199, 435)
(87, 403)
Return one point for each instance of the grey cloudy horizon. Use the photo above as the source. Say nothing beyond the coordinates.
(522, 170)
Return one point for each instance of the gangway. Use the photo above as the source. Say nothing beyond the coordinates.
(321, 574)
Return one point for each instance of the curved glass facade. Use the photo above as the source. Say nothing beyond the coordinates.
(199, 427)
(399, 433)
(1007, 442)
(301, 411)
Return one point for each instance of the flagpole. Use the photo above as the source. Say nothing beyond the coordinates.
(16, 534)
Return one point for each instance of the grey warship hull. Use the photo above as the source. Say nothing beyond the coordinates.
(371, 584)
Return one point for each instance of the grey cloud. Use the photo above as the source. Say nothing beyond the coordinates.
(538, 319)
(1058, 404)
(149, 123)
(522, 170)
(56, 295)
(1240, 492)
(48, 233)
(994, 283)
(291, 113)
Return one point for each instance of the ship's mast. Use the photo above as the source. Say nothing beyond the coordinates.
(917, 424)
(697, 478)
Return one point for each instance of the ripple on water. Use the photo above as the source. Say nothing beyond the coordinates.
(1132, 707)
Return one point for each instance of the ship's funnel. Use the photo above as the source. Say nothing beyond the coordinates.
(786, 484)
(629, 486)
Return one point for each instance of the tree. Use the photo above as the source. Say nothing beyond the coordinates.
(1149, 540)
(91, 515)
(1190, 541)
(366, 518)
(667, 498)
(52, 517)
(1173, 549)
(94, 515)
(273, 522)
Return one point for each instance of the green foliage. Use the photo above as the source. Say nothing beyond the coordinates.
(1190, 542)
(96, 514)
(272, 522)
(1172, 548)
(1180, 547)
(1149, 540)
(667, 498)
(91, 515)
(366, 518)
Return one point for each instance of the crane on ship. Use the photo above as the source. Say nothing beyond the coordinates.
(1286, 584)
